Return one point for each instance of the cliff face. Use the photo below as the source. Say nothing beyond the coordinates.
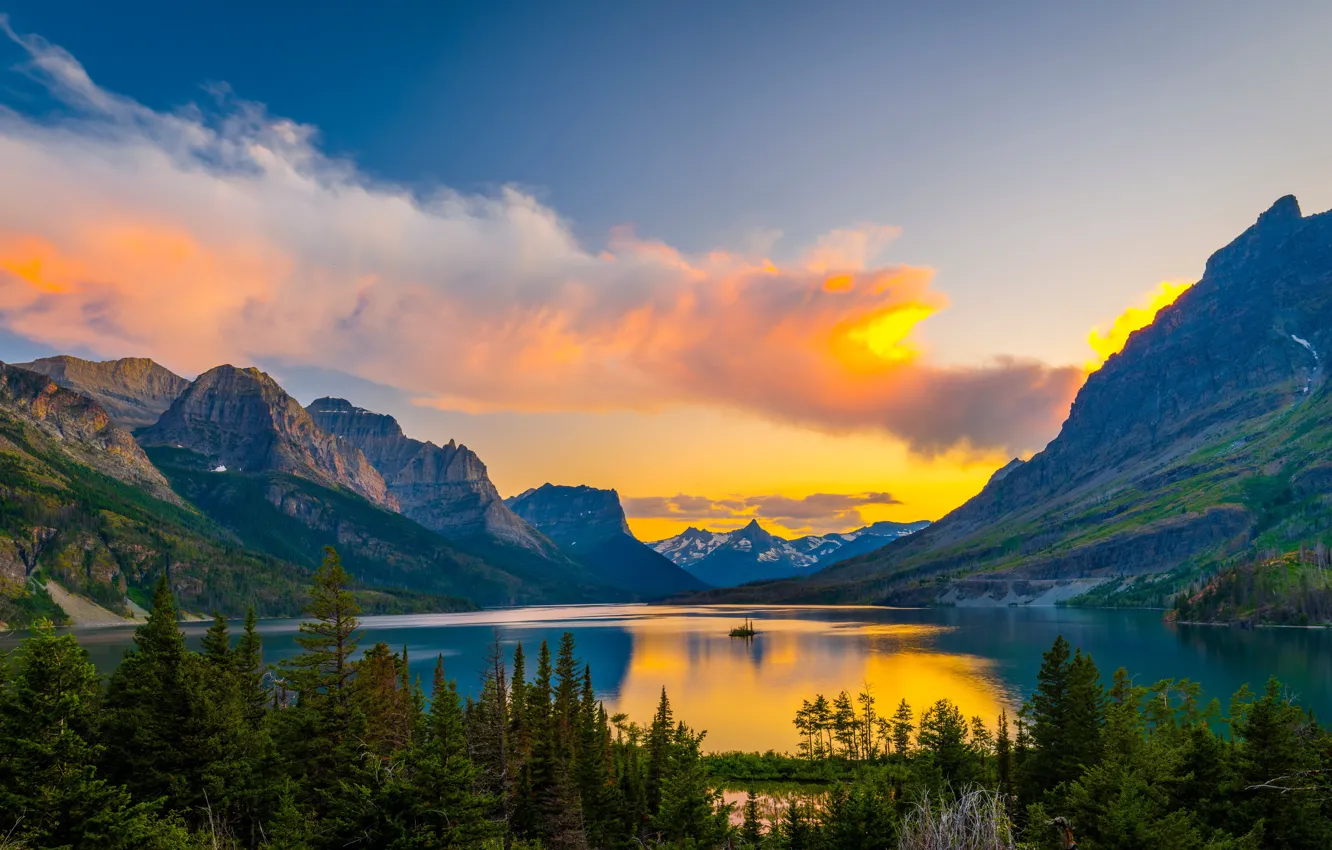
(1172, 449)
(589, 524)
(241, 420)
(80, 427)
(445, 488)
(134, 391)
(580, 513)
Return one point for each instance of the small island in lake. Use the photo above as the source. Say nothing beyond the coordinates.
(745, 631)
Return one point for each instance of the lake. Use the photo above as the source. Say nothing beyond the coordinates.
(745, 693)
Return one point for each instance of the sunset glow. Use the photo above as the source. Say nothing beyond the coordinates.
(1106, 341)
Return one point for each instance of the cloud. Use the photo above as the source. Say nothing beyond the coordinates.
(1110, 340)
(224, 234)
(817, 510)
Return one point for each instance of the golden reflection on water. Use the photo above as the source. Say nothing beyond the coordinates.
(746, 693)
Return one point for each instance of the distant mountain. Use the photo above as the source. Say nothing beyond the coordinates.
(241, 420)
(726, 559)
(590, 524)
(1205, 442)
(445, 488)
(134, 391)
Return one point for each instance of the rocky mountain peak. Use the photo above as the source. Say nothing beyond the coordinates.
(553, 508)
(134, 391)
(1259, 242)
(243, 420)
(445, 488)
(81, 427)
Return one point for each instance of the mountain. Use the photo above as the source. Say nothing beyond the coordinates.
(590, 524)
(79, 428)
(445, 488)
(85, 512)
(727, 559)
(134, 391)
(240, 419)
(1203, 442)
(244, 452)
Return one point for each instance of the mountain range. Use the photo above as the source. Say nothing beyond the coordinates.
(232, 488)
(1202, 443)
(730, 558)
(1202, 446)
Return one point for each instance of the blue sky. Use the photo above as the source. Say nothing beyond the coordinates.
(1051, 162)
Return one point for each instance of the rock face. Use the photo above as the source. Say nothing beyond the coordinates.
(80, 427)
(727, 559)
(241, 420)
(134, 391)
(445, 488)
(1169, 448)
(590, 524)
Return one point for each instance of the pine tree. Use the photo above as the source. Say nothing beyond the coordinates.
(49, 785)
(1003, 754)
(902, 729)
(167, 717)
(217, 643)
(691, 808)
(248, 660)
(659, 752)
(751, 828)
(446, 810)
(322, 731)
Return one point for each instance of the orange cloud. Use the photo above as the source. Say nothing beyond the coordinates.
(237, 240)
(1108, 341)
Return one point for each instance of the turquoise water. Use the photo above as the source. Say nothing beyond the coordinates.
(745, 693)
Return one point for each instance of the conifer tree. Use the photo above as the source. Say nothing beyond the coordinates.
(751, 828)
(902, 729)
(446, 809)
(248, 660)
(1003, 754)
(658, 752)
(322, 732)
(167, 717)
(217, 643)
(49, 785)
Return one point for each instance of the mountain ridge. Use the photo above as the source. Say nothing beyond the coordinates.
(1158, 467)
(590, 524)
(134, 391)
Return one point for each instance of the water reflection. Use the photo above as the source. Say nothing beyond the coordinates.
(745, 693)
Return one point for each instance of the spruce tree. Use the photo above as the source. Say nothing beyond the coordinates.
(217, 643)
(659, 751)
(167, 717)
(50, 791)
(322, 732)
(446, 810)
(1003, 754)
(751, 828)
(902, 728)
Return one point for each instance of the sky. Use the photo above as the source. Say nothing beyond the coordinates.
(814, 264)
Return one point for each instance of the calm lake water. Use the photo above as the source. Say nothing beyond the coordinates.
(746, 693)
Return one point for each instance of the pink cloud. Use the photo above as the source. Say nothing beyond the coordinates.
(200, 239)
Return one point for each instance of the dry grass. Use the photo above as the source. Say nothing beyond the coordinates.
(973, 820)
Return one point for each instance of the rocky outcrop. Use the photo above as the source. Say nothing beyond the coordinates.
(241, 420)
(134, 391)
(80, 427)
(445, 488)
(589, 523)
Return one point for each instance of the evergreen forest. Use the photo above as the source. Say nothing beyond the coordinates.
(338, 747)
